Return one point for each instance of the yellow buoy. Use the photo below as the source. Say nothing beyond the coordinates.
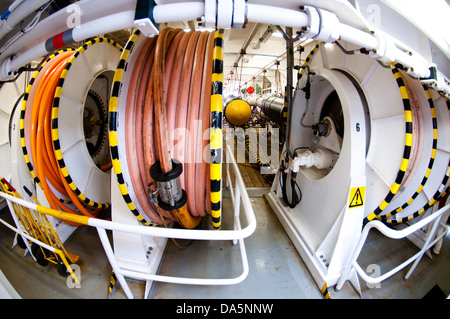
(238, 112)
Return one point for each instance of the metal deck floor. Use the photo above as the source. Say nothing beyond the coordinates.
(276, 269)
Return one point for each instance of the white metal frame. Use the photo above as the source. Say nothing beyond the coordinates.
(237, 235)
(431, 239)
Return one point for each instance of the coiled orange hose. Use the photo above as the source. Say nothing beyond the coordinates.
(51, 179)
(168, 92)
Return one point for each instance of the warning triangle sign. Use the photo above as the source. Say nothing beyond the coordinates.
(356, 197)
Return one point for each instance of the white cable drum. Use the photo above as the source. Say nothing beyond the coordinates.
(324, 195)
(121, 140)
(427, 157)
(386, 129)
(10, 94)
(91, 66)
(386, 126)
(20, 176)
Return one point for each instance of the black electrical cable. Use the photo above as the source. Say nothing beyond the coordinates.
(296, 197)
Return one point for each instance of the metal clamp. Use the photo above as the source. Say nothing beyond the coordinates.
(171, 195)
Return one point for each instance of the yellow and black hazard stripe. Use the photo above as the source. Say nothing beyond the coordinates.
(215, 165)
(406, 151)
(251, 151)
(112, 122)
(112, 284)
(22, 116)
(325, 291)
(54, 116)
(436, 197)
(442, 191)
(308, 59)
(430, 163)
(299, 76)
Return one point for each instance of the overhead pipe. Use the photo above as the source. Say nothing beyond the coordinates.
(326, 22)
(10, 9)
(114, 15)
(16, 13)
(121, 20)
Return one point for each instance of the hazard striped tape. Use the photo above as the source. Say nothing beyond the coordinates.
(442, 191)
(406, 151)
(54, 116)
(325, 291)
(430, 163)
(216, 131)
(113, 138)
(23, 112)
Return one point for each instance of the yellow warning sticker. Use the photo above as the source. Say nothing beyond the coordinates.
(357, 197)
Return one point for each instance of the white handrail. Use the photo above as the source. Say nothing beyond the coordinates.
(396, 234)
(197, 234)
(238, 234)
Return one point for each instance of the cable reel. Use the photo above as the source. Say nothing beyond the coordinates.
(59, 94)
(403, 168)
(163, 175)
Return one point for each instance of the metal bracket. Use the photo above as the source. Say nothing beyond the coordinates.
(143, 17)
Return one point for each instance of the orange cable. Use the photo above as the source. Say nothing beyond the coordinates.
(42, 144)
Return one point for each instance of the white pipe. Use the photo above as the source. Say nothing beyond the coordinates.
(112, 260)
(93, 28)
(192, 10)
(346, 13)
(167, 232)
(416, 257)
(357, 37)
(237, 206)
(174, 12)
(14, 5)
(193, 281)
(426, 246)
(276, 15)
(33, 42)
(10, 9)
(20, 13)
(118, 21)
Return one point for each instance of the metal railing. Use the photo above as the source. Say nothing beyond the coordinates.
(237, 235)
(432, 237)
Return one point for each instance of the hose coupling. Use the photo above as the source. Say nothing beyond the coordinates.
(170, 194)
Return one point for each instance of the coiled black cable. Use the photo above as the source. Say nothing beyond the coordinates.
(296, 197)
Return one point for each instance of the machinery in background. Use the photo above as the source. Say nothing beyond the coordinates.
(366, 141)
(365, 130)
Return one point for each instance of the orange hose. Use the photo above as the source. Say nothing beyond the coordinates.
(46, 165)
(168, 92)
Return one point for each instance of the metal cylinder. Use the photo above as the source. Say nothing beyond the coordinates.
(271, 106)
(237, 111)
